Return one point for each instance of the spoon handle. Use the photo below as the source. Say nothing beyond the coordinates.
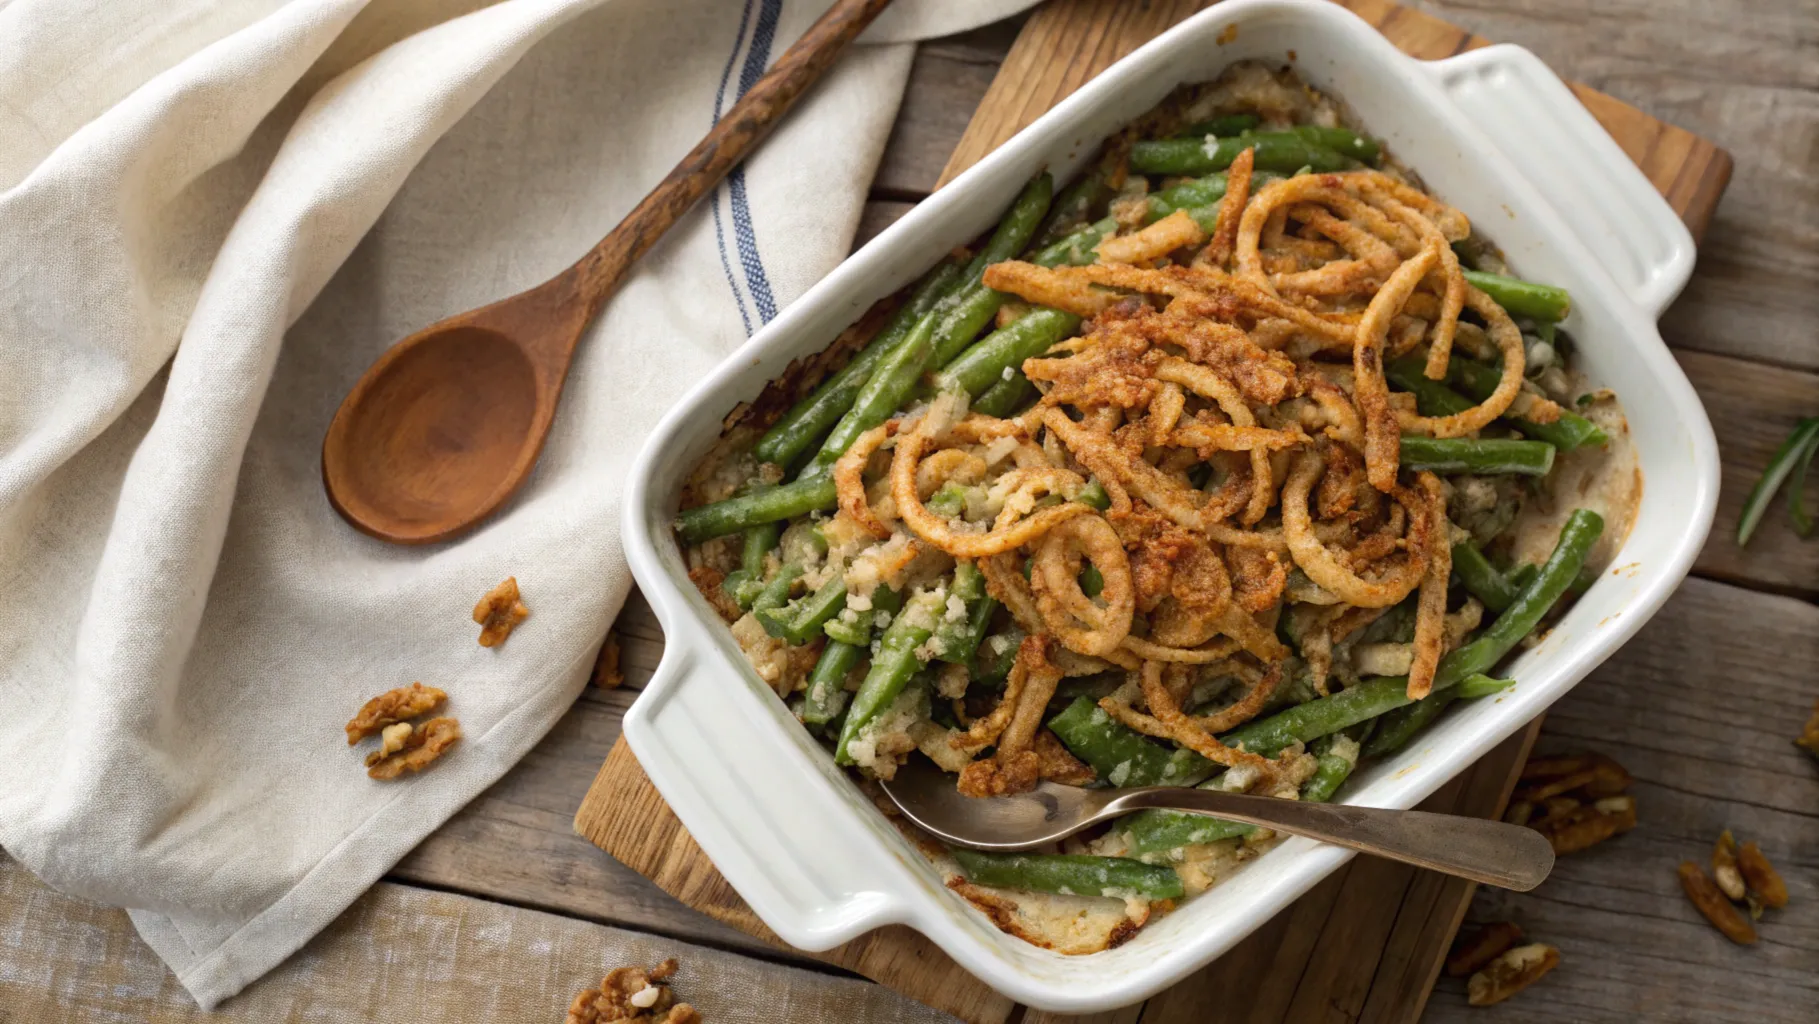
(597, 275)
(1492, 852)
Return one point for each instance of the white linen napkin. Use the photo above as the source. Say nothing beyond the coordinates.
(215, 215)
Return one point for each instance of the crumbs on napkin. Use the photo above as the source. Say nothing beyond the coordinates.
(499, 612)
(403, 747)
(392, 707)
(607, 674)
(633, 994)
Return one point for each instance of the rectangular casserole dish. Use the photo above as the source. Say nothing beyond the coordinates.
(1492, 132)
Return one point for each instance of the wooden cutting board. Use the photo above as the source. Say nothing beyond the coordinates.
(1367, 943)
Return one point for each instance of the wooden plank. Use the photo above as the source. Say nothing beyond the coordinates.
(1701, 708)
(399, 954)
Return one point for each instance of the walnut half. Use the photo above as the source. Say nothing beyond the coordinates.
(427, 742)
(499, 612)
(392, 707)
(632, 994)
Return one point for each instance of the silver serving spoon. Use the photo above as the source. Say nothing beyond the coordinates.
(1492, 852)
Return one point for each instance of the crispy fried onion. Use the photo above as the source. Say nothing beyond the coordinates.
(1167, 720)
(1430, 613)
(1086, 625)
(1014, 767)
(1175, 231)
(1382, 438)
(849, 479)
(1011, 531)
(1394, 582)
(1508, 338)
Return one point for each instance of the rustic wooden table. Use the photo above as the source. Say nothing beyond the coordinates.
(1701, 706)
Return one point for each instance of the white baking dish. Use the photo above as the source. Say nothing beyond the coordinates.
(1492, 131)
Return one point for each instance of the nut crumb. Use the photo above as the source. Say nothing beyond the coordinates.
(1711, 902)
(1809, 737)
(426, 743)
(607, 675)
(1471, 953)
(632, 994)
(1510, 973)
(392, 707)
(499, 612)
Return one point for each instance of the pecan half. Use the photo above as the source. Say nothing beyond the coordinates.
(1711, 902)
(1762, 877)
(1510, 973)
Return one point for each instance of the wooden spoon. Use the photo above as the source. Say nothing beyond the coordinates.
(447, 424)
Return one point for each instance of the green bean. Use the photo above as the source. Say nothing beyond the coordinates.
(803, 620)
(1577, 537)
(892, 666)
(1093, 494)
(758, 542)
(969, 309)
(810, 418)
(1481, 578)
(949, 501)
(1221, 126)
(1397, 727)
(1343, 141)
(1322, 716)
(785, 501)
(962, 321)
(993, 673)
(1069, 874)
(1477, 686)
(1400, 725)
(983, 365)
(1150, 832)
(1285, 152)
(1092, 581)
(1018, 226)
(1432, 397)
(1568, 432)
(1073, 208)
(1077, 249)
(1522, 575)
(1005, 397)
(858, 631)
(776, 592)
(1121, 756)
(1333, 766)
(1193, 194)
(825, 695)
(951, 636)
(1522, 298)
(885, 390)
(1792, 455)
(1477, 455)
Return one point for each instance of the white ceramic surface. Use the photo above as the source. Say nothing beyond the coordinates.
(1492, 131)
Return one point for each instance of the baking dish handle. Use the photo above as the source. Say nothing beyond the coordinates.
(1537, 124)
(793, 850)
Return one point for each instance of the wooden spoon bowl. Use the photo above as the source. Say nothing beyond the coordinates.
(449, 422)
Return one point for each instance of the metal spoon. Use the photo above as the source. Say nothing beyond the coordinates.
(1492, 852)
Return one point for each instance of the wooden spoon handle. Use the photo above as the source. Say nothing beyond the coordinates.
(597, 275)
